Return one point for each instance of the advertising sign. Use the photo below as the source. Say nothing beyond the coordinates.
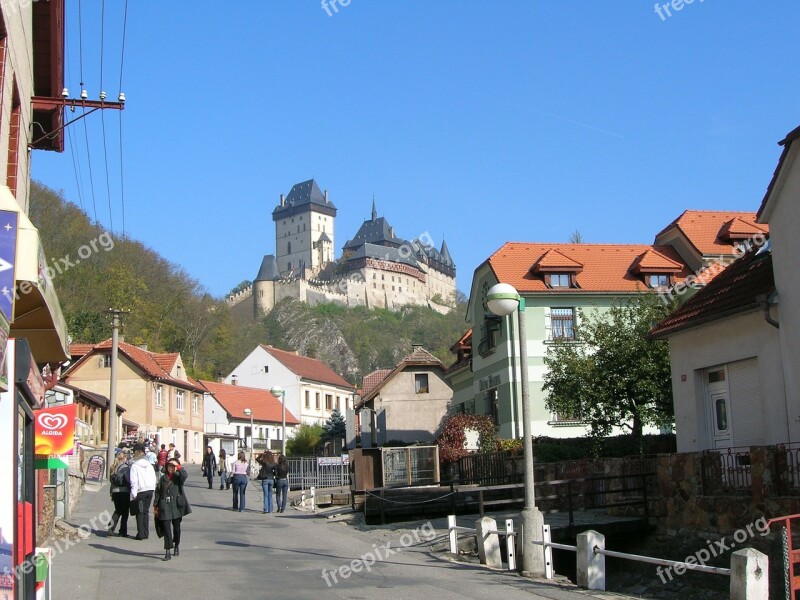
(95, 472)
(55, 430)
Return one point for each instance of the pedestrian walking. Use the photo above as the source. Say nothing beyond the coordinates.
(151, 456)
(143, 484)
(266, 475)
(161, 457)
(120, 481)
(209, 466)
(170, 506)
(281, 483)
(239, 473)
(224, 470)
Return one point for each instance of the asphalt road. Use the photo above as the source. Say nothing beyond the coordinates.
(294, 555)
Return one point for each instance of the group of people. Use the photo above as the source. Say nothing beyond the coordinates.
(234, 473)
(136, 482)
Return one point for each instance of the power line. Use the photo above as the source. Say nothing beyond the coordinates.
(121, 174)
(108, 184)
(102, 38)
(76, 168)
(89, 160)
(122, 55)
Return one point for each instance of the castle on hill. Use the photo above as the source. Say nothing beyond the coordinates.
(377, 268)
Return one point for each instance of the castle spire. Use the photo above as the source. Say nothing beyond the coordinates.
(374, 210)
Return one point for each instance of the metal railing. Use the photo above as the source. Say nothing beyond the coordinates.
(308, 471)
(509, 533)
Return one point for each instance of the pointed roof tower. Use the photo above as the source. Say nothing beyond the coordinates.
(374, 210)
(445, 252)
(269, 269)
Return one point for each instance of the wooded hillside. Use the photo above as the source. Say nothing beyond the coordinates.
(172, 312)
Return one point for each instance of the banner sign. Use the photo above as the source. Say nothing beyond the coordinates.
(55, 430)
(8, 256)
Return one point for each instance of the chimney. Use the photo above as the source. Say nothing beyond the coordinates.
(391, 231)
(234, 380)
(283, 201)
(326, 196)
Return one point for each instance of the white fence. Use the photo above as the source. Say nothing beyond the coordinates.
(319, 472)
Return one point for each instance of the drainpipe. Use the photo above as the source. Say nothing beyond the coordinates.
(765, 303)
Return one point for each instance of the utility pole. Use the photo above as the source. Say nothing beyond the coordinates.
(112, 396)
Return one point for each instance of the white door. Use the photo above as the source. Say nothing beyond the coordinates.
(720, 419)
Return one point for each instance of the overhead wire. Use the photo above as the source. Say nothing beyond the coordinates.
(75, 164)
(102, 113)
(121, 162)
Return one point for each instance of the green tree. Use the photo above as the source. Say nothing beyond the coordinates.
(612, 375)
(306, 439)
(335, 428)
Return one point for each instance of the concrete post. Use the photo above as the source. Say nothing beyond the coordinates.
(488, 543)
(749, 575)
(591, 566)
(453, 534)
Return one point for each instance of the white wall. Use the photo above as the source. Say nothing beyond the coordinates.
(720, 342)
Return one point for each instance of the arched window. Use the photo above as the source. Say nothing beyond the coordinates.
(289, 248)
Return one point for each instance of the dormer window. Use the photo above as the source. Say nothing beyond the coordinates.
(656, 281)
(559, 280)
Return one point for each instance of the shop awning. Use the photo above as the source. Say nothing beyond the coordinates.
(37, 313)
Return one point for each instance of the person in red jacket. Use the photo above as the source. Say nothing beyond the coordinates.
(161, 459)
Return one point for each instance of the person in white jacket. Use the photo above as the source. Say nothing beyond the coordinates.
(143, 484)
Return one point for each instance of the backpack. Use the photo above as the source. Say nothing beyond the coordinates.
(121, 477)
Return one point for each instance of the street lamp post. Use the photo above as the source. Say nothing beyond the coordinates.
(279, 392)
(249, 413)
(503, 300)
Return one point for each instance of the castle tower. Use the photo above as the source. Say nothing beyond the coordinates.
(264, 287)
(304, 230)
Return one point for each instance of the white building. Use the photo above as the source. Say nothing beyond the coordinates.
(227, 422)
(312, 389)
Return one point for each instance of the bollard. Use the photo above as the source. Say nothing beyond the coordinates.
(451, 523)
(591, 566)
(313, 499)
(749, 575)
(488, 543)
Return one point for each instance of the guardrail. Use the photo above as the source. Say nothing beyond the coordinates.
(748, 573)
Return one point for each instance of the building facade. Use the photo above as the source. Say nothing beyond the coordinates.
(312, 389)
(154, 388)
(377, 269)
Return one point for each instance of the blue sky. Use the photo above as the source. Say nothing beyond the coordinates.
(476, 122)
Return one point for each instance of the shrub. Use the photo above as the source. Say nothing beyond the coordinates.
(453, 438)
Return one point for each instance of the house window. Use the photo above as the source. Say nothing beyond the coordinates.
(195, 404)
(106, 361)
(562, 323)
(560, 280)
(347, 403)
(490, 328)
(266, 368)
(421, 383)
(308, 399)
(338, 403)
(179, 400)
(159, 396)
(328, 402)
(716, 376)
(658, 281)
(197, 442)
(12, 171)
(316, 400)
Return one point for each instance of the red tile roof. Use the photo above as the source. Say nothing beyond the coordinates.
(653, 261)
(606, 267)
(78, 350)
(307, 368)
(735, 290)
(373, 380)
(149, 362)
(235, 398)
(708, 230)
(166, 361)
(553, 260)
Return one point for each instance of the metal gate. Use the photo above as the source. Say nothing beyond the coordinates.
(319, 472)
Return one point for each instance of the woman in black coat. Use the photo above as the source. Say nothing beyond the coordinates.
(209, 466)
(170, 505)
